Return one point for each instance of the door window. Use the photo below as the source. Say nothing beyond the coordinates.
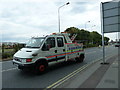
(50, 43)
(60, 42)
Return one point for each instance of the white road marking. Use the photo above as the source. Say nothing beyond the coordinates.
(5, 61)
(9, 69)
(91, 52)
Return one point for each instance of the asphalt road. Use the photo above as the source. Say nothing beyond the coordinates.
(14, 78)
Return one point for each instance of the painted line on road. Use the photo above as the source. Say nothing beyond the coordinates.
(5, 61)
(61, 81)
(8, 70)
(91, 52)
(1, 61)
(71, 76)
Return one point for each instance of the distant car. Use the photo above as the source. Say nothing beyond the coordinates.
(117, 44)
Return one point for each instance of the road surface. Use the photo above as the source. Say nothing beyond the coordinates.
(14, 78)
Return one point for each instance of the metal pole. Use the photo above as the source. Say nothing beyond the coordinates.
(102, 33)
(116, 36)
(103, 47)
(59, 15)
(59, 19)
(102, 30)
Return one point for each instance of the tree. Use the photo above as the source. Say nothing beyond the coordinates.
(106, 39)
(96, 38)
(3, 46)
(82, 35)
(72, 30)
(89, 39)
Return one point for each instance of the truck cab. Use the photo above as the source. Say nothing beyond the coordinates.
(40, 51)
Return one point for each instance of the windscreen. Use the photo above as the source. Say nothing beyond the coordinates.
(34, 42)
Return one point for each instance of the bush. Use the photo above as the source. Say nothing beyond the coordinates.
(18, 47)
(7, 55)
(91, 45)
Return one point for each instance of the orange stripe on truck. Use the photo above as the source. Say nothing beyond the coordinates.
(63, 54)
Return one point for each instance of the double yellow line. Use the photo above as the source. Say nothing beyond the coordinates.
(59, 82)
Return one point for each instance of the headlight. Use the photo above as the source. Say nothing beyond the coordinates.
(17, 59)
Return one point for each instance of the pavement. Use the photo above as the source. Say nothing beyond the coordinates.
(94, 75)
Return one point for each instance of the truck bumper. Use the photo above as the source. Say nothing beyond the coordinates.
(24, 66)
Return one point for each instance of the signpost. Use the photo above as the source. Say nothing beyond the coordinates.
(110, 20)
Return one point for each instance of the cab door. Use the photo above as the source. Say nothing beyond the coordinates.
(48, 49)
(60, 48)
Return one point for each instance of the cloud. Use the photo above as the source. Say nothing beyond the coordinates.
(19, 32)
(79, 7)
(32, 18)
(21, 19)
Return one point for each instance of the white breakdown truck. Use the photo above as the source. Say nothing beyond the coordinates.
(40, 51)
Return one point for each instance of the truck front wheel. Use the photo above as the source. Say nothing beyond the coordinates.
(40, 68)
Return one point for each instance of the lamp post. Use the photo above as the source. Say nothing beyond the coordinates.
(59, 14)
(86, 24)
(116, 37)
(91, 31)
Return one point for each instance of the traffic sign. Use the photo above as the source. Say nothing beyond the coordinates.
(111, 16)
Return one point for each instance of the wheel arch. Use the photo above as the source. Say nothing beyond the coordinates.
(82, 55)
(42, 60)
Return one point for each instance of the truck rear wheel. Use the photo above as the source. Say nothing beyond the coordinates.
(80, 58)
(40, 68)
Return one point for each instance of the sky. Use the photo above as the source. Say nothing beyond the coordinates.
(23, 19)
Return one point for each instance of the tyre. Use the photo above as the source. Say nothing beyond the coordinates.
(80, 58)
(20, 67)
(40, 68)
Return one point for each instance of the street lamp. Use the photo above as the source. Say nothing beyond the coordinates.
(59, 14)
(86, 23)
